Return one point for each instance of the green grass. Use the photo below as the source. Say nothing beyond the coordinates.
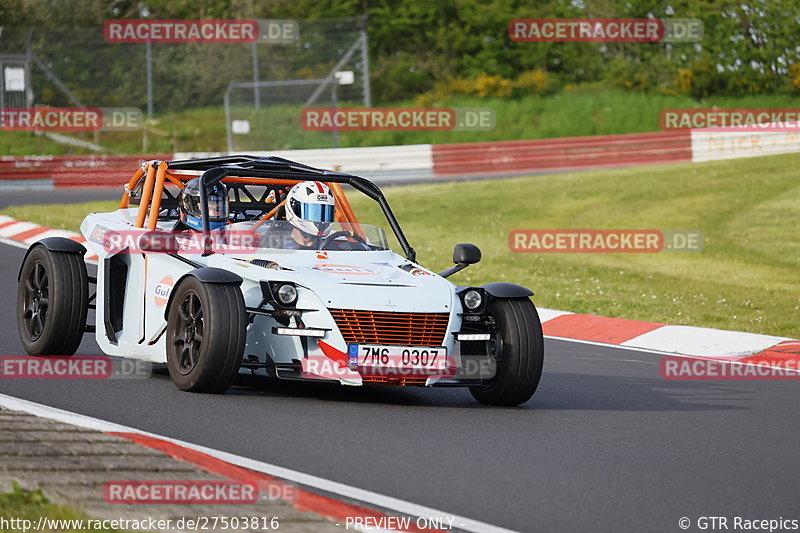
(59, 216)
(745, 279)
(31, 505)
(583, 111)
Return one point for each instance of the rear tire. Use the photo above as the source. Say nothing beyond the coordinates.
(52, 302)
(521, 346)
(206, 332)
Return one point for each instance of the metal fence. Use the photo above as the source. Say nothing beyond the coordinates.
(266, 114)
(78, 67)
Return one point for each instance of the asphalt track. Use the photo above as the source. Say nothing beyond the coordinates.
(605, 445)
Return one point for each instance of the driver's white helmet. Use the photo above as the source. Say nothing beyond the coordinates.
(310, 207)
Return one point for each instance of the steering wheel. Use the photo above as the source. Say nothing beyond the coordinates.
(328, 244)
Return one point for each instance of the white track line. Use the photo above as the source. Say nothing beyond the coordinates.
(621, 347)
(378, 500)
(671, 354)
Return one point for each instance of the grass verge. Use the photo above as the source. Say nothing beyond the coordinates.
(746, 278)
(30, 505)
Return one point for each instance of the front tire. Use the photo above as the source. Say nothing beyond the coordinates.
(521, 351)
(52, 302)
(206, 332)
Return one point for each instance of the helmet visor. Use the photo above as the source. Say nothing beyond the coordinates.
(316, 212)
(217, 207)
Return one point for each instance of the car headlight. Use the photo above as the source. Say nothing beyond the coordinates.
(287, 294)
(472, 300)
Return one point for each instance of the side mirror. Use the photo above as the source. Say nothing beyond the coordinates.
(464, 254)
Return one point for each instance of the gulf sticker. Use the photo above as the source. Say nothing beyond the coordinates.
(162, 290)
(343, 269)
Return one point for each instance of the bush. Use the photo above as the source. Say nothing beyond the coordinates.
(533, 82)
(685, 79)
(794, 75)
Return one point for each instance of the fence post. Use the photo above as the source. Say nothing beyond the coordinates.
(149, 80)
(228, 132)
(256, 90)
(365, 57)
(28, 70)
(335, 102)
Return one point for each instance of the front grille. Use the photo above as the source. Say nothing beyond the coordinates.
(380, 327)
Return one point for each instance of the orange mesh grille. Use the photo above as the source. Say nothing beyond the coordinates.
(378, 327)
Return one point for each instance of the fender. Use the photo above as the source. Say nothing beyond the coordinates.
(501, 289)
(54, 244)
(206, 275)
(214, 275)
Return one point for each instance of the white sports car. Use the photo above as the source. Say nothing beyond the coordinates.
(245, 297)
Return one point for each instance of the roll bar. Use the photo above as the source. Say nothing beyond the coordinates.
(217, 168)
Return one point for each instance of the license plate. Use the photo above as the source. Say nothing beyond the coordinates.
(397, 359)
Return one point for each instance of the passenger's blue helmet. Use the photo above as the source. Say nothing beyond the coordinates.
(189, 206)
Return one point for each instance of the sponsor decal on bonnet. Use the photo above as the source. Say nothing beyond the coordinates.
(343, 269)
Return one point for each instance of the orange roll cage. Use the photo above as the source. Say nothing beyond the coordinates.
(156, 175)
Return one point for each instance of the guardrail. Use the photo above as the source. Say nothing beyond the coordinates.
(426, 162)
(521, 157)
(709, 145)
(71, 171)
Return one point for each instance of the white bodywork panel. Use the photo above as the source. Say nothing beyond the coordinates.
(359, 280)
